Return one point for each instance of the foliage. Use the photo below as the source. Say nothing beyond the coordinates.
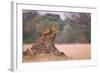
(75, 28)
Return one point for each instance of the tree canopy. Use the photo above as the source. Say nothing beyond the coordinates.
(75, 28)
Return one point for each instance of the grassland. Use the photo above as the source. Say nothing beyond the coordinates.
(72, 52)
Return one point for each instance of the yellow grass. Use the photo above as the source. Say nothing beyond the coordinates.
(76, 51)
(72, 52)
(44, 57)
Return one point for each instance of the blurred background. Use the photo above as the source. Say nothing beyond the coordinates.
(74, 27)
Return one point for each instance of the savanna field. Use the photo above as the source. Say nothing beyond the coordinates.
(72, 52)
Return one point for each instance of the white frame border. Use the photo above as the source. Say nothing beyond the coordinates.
(15, 59)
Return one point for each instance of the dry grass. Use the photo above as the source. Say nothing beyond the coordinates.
(44, 57)
(72, 52)
(76, 51)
